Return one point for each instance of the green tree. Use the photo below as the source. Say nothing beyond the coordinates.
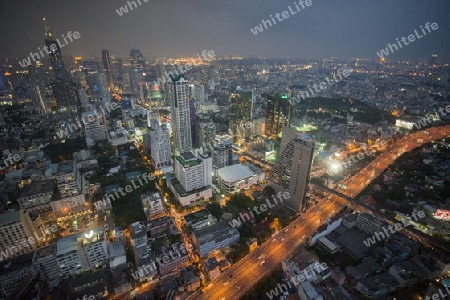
(215, 209)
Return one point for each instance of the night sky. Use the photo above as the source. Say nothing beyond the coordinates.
(343, 28)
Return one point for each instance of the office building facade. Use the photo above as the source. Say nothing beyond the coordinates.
(178, 93)
(291, 173)
(278, 113)
(95, 126)
(241, 108)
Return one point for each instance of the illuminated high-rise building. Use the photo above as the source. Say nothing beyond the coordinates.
(55, 55)
(193, 120)
(291, 173)
(278, 113)
(154, 94)
(160, 146)
(178, 93)
(137, 59)
(198, 93)
(241, 106)
(67, 97)
(106, 61)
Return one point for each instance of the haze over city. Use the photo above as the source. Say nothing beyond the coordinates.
(237, 150)
(178, 28)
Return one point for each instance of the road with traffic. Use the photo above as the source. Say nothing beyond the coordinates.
(242, 276)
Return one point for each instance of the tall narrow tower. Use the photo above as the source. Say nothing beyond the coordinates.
(55, 54)
(178, 93)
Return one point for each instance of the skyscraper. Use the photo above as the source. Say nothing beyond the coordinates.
(137, 59)
(241, 106)
(198, 93)
(291, 173)
(55, 55)
(193, 121)
(178, 93)
(95, 125)
(278, 113)
(106, 61)
(160, 146)
(67, 97)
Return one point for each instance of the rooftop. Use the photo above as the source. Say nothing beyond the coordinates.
(9, 217)
(235, 173)
(197, 216)
(38, 187)
(65, 166)
(188, 159)
(219, 231)
(75, 241)
(83, 155)
(45, 251)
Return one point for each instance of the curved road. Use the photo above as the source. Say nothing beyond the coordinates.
(250, 269)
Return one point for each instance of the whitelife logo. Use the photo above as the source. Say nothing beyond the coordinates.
(245, 215)
(284, 15)
(25, 243)
(205, 54)
(392, 229)
(296, 280)
(35, 56)
(321, 86)
(430, 117)
(124, 9)
(411, 38)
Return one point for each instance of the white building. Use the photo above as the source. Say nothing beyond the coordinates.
(138, 138)
(192, 172)
(72, 204)
(153, 206)
(153, 118)
(198, 93)
(160, 147)
(222, 153)
(19, 233)
(44, 262)
(178, 92)
(216, 236)
(118, 137)
(68, 179)
(95, 125)
(82, 252)
(237, 177)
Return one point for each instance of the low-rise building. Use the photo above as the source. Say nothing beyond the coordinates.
(85, 160)
(213, 267)
(160, 225)
(191, 281)
(237, 177)
(214, 237)
(199, 219)
(172, 259)
(37, 195)
(153, 206)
